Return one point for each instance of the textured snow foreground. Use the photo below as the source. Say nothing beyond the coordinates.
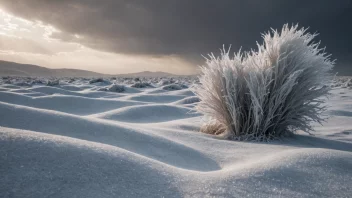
(81, 139)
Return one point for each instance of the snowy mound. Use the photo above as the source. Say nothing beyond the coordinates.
(148, 113)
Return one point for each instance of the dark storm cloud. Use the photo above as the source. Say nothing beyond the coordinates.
(188, 27)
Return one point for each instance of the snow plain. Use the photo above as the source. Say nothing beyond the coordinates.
(78, 139)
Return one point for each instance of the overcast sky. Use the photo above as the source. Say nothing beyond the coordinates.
(122, 36)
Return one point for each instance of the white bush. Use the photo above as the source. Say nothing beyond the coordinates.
(172, 87)
(141, 85)
(116, 88)
(265, 94)
(53, 83)
(96, 80)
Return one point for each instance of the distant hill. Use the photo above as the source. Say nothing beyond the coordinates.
(16, 69)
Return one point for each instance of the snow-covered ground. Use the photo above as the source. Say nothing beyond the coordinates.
(88, 138)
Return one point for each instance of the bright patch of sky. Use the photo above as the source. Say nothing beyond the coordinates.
(30, 42)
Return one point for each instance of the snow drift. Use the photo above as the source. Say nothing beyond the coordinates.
(72, 140)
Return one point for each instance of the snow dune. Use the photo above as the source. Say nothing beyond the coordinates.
(64, 103)
(148, 113)
(75, 141)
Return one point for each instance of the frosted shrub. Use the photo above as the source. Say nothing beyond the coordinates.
(96, 80)
(268, 93)
(116, 88)
(166, 82)
(37, 81)
(53, 83)
(141, 85)
(172, 87)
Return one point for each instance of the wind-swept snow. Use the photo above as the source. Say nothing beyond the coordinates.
(72, 140)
